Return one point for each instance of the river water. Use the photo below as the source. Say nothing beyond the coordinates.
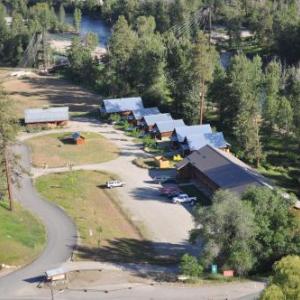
(96, 26)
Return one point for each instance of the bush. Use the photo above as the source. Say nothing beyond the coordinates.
(115, 118)
(189, 266)
(135, 133)
(149, 142)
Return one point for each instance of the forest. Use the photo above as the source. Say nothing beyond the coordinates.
(170, 54)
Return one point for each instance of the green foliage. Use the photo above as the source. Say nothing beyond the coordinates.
(77, 19)
(62, 13)
(83, 68)
(245, 80)
(285, 283)
(272, 292)
(149, 142)
(115, 118)
(228, 230)
(277, 228)
(189, 266)
(247, 235)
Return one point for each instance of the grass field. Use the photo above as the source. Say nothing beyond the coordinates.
(103, 227)
(39, 91)
(22, 236)
(55, 150)
(282, 162)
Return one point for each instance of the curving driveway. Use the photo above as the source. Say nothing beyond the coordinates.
(167, 225)
(61, 236)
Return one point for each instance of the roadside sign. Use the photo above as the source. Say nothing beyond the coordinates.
(214, 269)
(228, 273)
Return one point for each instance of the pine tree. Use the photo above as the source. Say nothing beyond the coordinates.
(272, 89)
(62, 13)
(77, 19)
(246, 93)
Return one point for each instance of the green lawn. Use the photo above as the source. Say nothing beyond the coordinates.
(22, 236)
(56, 150)
(84, 196)
(106, 231)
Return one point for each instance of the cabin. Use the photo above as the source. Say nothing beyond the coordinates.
(211, 169)
(77, 138)
(179, 134)
(122, 106)
(194, 142)
(164, 129)
(136, 116)
(147, 123)
(53, 116)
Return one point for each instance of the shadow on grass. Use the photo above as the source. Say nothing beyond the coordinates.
(133, 251)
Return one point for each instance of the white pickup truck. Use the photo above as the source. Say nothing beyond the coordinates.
(114, 183)
(184, 198)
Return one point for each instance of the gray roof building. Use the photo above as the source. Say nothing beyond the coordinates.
(168, 126)
(140, 113)
(46, 115)
(197, 141)
(180, 133)
(222, 169)
(122, 105)
(150, 120)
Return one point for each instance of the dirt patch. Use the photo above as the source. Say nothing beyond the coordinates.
(39, 91)
(89, 279)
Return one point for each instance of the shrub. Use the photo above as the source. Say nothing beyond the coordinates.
(190, 266)
(149, 142)
(115, 118)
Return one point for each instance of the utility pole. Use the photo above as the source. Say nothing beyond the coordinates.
(45, 49)
(7, 171)
(209, 24)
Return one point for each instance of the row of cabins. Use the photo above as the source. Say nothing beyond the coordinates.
(208, 162)
(163, 126)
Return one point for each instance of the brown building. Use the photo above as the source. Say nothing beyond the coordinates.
(164, 129)
(148, 122)
(122, 106)
(136, 116)
(53, 116)
(214, 169)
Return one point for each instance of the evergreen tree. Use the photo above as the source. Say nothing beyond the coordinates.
(121, 46)
(179, 62)
(77, 19)
(284, 117)
(272, 90)
(62, 13)
(245, 94)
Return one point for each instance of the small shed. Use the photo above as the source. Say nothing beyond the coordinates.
(162, 162)
(78, 138)
(56, 274)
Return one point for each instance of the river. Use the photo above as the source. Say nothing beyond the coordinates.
(96, 26)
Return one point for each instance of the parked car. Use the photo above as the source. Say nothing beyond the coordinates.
(114, 183)
(184, 198)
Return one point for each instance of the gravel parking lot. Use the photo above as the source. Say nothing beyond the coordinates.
(162, 222)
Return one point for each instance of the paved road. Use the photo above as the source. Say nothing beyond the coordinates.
(166, 224)
(138, 291)
(61, 235)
